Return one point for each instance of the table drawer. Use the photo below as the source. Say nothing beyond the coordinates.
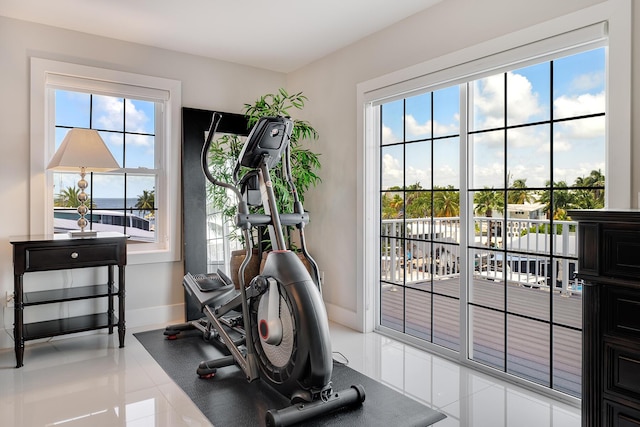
(623, 308)
(621, 251)
(616, 415)
(63, 257)
(622, 370)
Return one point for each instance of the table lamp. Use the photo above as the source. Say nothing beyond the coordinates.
(83, 149)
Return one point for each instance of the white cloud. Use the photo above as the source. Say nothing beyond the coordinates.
(488, 175)
(580, 130)
(388, 136)
(567, 106)
(488, 105)
(112, 119)
(523, 101)
(536, 175)
(416, 129)
(559, 145)
(444, 175)
(531, 143)
(569, 174)
(392, 172)
(524, 106)
(136, 119)
(488, 101)
(112, 109)
(415, 175)
(528, 137)
(443, 129)
(588, 81)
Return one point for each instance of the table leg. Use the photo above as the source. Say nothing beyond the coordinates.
(18, 325)
(110, 297)
(121, 296)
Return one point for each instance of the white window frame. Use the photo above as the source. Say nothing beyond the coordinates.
(614, 16)
(48, 75)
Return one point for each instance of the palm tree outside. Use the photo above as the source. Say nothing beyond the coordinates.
(560, 198)
(418, 203)
(392, 206)
(146, 201)
(596, 179)
(446, 202)
(486, 202)
(68, 198)
(518, 194)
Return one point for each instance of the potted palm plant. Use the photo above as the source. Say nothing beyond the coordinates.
(305, 163)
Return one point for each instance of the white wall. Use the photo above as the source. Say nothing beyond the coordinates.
(330, 84)
(154, 293)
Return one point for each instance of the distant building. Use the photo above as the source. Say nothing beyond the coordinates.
(526, 211)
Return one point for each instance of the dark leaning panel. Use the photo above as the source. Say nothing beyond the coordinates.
(195, 122)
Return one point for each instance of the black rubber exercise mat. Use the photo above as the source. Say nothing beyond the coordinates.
(228, 400)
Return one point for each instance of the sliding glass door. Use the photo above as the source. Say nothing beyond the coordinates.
(475, 183)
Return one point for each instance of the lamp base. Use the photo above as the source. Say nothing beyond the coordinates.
(82, 234)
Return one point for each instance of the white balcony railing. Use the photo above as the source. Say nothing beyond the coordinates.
(417, 250)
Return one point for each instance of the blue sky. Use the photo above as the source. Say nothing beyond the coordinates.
(579, 146)
(112, 116)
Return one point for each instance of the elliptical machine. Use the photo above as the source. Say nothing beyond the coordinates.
(275, 328)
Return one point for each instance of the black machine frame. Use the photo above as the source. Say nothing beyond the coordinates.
(274, 328)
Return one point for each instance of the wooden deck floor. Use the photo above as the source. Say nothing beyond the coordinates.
(535, 322)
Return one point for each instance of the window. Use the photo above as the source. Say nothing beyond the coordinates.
(137, 117)
(490, 281)
(420, 209)
(535, 140)
(122, 201)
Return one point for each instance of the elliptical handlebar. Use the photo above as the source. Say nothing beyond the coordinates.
(215, 121)
(267, 144)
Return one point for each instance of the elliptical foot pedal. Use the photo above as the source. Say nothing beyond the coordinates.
(209, 289)
(209, 282)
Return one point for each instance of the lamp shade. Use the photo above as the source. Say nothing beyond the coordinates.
(83, 148)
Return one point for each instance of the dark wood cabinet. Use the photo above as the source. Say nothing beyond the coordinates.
(60, 252)
(609, 264)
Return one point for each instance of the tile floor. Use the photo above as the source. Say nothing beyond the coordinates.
(88, 381)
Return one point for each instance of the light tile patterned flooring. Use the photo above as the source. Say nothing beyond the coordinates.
(88, 381)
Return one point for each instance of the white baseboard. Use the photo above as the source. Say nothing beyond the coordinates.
(169, 314)
(6, 338)
(150, 316)
(343, 316)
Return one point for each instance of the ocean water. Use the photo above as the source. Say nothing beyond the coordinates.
(119, 204)
(115, 203)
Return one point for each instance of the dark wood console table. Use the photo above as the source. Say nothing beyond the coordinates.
(609, 264)
(60, 252)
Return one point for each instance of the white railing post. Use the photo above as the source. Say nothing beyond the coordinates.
(444, 231)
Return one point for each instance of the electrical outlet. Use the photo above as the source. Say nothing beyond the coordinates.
(9, 299)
